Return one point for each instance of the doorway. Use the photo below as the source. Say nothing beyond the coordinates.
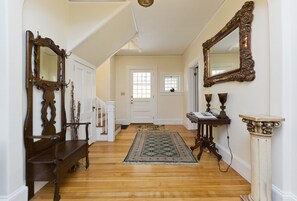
(142, 99)
(84, 91)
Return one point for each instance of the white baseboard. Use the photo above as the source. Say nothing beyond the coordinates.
(168, 121)
(123, 121)
(279, 195)
(39, 185)
(21, 194)
(238, 164)
(117, 131)
(244, 170)
(156, 121)
(100, 137)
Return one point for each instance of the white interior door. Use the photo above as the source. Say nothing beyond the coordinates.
(141, 96)
(84, 91)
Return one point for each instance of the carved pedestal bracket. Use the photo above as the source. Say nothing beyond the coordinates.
(260, 128)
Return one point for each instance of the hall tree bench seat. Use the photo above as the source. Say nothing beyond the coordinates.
(49, 156)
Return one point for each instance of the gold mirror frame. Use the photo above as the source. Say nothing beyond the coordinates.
(242, 20)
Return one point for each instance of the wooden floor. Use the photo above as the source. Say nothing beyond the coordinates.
(109, 179)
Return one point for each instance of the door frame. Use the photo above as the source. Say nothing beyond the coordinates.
(78, 61)
(152, 69)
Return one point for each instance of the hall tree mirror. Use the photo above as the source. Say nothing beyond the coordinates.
(46, 62)
(227, 55)
(49, 62)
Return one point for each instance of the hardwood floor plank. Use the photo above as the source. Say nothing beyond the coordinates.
(108, 178)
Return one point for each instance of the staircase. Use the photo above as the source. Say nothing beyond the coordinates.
(106, 129)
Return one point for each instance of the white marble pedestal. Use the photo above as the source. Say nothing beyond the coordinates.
(260, 128)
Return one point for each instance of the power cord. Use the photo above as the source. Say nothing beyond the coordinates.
(230, 153)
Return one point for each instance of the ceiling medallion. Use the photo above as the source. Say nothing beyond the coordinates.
(146, 3)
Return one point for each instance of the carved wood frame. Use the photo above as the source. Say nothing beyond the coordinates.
(48, 87)
(242, 20)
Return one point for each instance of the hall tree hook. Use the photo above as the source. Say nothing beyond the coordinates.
(66, 84)
(68, 54)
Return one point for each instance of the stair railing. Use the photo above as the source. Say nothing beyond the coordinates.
(101, 114)
(106, 117)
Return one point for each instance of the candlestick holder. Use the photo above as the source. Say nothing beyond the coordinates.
(208, 99)
(223, 99)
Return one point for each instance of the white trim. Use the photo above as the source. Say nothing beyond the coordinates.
(191, 88)
(154, 70)
(180, 75)
(21, 194)
(77, 59)
(123, 121)
(117, 131)
(238, 164)
(279, 195)
(156, 121)
(168, 121)
(167, 93)
(38, 185)
(99, 135)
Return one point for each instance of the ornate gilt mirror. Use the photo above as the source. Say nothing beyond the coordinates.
(227, 55)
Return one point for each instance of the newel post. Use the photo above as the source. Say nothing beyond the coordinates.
(110, 121)
(260, 128)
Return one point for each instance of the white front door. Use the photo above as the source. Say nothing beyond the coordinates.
(142, 96)
(84, 91)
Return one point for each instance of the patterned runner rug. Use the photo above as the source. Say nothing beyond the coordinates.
(159, 147)
(150, 127)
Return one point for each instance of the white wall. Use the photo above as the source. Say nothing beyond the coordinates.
(272, 92)
(11, 139)
(86, 18)
(103, 81)
(106, 80)
(108, 37)
(52, 22)
(169, 107)
(112, 78)
(49, 18)
(283, 96)
(243, 98)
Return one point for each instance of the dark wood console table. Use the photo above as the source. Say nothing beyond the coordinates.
(204, 138)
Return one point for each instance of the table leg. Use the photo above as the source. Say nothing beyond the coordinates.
(211, 146)
(197, 140)
(202, 140)
(202, 145)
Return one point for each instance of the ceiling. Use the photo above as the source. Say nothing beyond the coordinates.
(168, 27)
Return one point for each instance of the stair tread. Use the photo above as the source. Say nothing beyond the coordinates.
(117, 126)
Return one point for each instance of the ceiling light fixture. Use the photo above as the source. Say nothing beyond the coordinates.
(146, 3)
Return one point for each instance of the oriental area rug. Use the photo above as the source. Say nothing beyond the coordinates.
(150, 127)
(159, 147)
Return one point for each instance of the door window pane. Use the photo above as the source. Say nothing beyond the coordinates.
(141, 84)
